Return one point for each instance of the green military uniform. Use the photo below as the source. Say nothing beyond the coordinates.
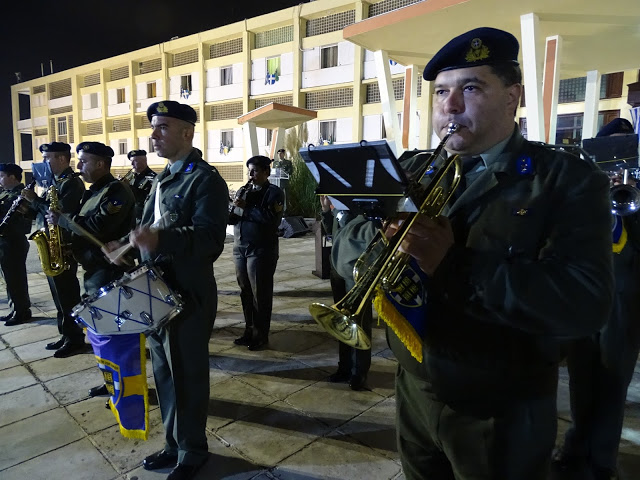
(65, 288)
(141, 187)
(530, 268)
(196, 192)
(13, 253)
(106, 211)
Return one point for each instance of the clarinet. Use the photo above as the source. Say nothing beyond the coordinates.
(19, 205)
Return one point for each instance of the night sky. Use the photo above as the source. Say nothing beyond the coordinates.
(72, 33)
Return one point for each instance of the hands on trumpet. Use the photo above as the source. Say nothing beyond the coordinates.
(427, 241)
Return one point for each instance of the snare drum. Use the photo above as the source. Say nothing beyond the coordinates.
(139, 302)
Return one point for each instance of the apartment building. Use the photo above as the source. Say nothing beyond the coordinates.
(295, 56)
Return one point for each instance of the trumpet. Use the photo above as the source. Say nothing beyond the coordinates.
(385, 262)
(128, 177)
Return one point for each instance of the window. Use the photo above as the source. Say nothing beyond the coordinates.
(273, 70)
(226, 138)
(93, 100)
(226, 75)
(151, 90)
(269, 134)
(329, 57)
(62, 126)
(569, 129)
(327, 132)
(185, 86)
(120, 95)
(185, 82)
(122, 147)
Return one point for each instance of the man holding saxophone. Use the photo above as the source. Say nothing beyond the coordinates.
(519, 263)
(65, 288)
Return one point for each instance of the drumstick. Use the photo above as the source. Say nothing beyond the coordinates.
(115, 255)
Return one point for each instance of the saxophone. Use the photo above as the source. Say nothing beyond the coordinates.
(50, 246)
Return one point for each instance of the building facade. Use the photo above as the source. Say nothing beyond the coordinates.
(295, 56)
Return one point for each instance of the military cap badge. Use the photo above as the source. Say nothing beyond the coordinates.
(478, 51)
(86, 147)
(162, 108)
(44, 147)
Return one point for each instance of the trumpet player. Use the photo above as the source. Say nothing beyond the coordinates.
(516, 265)
(601, 365)
(256, 219)
(141, 179)
(65, 288)
(14, 245)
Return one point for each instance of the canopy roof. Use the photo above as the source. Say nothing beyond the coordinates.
(596, 34)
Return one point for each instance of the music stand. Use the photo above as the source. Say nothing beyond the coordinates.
(42, 174)
(362, 177)
(613, 152)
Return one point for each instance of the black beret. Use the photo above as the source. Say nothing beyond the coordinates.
(281, 150)
(136, 153)
(260, 160)
(11, 169)
(169, 108)
(481, 46)
(617, 125)
(55, 147)
(95, 148)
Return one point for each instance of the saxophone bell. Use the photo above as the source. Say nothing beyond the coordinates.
(49, 242)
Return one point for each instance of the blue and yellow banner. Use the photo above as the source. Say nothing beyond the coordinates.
(403, 308)
(122, 360)
(618, 234)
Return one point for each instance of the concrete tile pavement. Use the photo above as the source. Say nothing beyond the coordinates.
(272, 414)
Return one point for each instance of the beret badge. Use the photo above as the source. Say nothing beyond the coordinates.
(161, 108)
(45, 147)
(477, 52)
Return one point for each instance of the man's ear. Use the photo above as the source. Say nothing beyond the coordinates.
(514, 92)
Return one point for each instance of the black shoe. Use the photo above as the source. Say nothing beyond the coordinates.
(357, 382)
(244, 340)
(569, 466)
(98, 391)
(184, 472)
(340, 376)
(7, 317)
(107, 406)
(69, 348)
(17, 318)
(258, 343)
(160, 459)
(600, 473)
(55, 345)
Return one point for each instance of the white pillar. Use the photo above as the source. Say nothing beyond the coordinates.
(410, 124)
(591, 103)
(277, 141)
(532, 77)
(426, 131)
(388, 100)
(250, 139)
(551, 85)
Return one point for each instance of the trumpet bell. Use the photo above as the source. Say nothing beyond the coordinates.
(625, 200)
(340, 326)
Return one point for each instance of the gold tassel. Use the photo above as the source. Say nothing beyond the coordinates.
(400, 326)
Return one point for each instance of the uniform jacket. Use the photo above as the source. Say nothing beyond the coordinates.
(189, 246)
(106, 211)
(19, 224)
(258, 227)
(141, 187)
(530, 268)
(70, 191)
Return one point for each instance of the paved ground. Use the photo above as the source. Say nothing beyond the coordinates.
(272, 414)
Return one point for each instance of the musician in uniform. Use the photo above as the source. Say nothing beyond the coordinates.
(601, 365)
(142, 179)
(187, 248)
(255, 250)
(14, 246)
(353, 363)
(519, 263)
(65, 288)
(106, 212)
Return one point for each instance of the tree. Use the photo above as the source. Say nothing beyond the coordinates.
(301, 192)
